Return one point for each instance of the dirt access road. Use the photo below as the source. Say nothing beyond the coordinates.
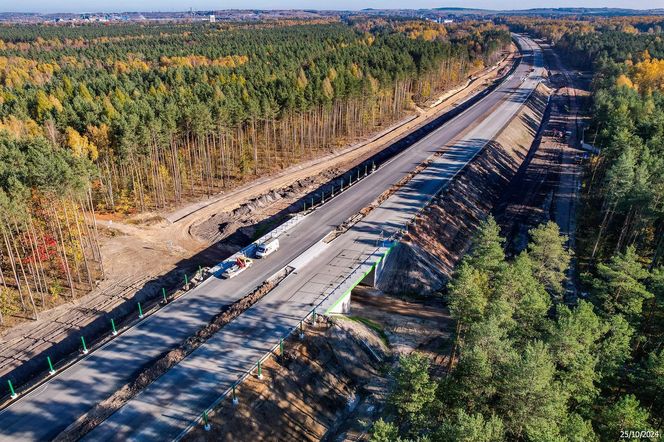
(137, 251)
(163, 239)
(552, 170)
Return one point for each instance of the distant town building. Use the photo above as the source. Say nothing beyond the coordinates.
(212, 19)
(448, 20)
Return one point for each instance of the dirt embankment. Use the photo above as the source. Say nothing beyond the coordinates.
(253, 218)
(145, 253)
(423, 261)
(332, 385)
(302, 396)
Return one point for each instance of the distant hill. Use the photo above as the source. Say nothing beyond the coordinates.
(553, 11)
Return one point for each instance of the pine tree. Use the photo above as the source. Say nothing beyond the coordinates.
(624, 416)
(382, 431)
(620, 285)
(574, 345)
(527, 296)
(487, 254)
(530, 400)
(550, 256)
(471, 428)
(413, 392)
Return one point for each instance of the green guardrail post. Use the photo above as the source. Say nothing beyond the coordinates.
(332, 191)
(301, 329)
(365, 169)
(186, 279)
(115, 330)
(350, 179)
(358, 174)
(85, 347)
(140, 311)
(312, 202)
(200, 270)
(163, 293)
(314, 316)
(373, 166)
(342, 184)
(11, 389)
(281, 349)
(305, 206)
(260, 371)
(51, 370)
(322, 198)
(235, 399)
(206, 421)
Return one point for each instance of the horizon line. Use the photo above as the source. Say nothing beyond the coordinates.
(102, 11)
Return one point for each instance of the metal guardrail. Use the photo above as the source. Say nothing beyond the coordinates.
(316, 202)
(346, 286)
(200, 277)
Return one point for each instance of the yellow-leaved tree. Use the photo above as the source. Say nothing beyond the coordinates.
(624, 81)
(80, 144)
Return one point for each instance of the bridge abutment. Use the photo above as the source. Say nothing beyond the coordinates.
(370, 279)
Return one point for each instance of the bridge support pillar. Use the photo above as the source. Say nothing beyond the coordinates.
(371, 279)
(341, 307)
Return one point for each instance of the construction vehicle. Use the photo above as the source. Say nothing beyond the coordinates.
(242, 263)
(267, 247)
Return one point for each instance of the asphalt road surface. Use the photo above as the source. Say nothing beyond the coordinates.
(168, 405)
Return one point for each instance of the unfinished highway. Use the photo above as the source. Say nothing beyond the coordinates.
(166, 407)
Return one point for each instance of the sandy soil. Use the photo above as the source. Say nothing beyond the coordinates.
(324, 388)
(409, 325)
(301, 397)
(551, 171)
(310, 396)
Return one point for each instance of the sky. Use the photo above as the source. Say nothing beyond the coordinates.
(180, 5)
